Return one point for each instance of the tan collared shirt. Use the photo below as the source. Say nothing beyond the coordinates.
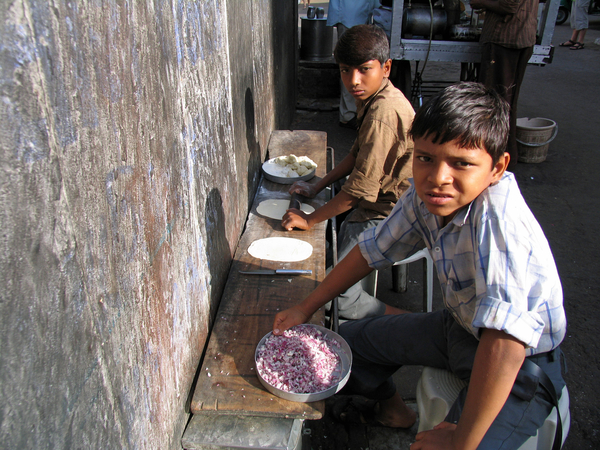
(383, 152)
(516, 30)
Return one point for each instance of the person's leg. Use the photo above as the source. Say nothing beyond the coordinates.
(579, 17)
(381, 345)
(347, 106)
(580, 36)
(571, 41)
(356, 303)
(347, 102)
(503, 69)
(521, 58)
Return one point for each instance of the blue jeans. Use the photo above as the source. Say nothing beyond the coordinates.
(355, 303)
(381, 345)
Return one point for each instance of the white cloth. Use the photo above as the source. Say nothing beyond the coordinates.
(493, 262)
(579, 14)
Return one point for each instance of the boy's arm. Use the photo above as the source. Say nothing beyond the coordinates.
(352, 268)
(343, 169)
(498, 359)
(339, 204)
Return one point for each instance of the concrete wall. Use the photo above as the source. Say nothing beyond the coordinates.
(131, 136)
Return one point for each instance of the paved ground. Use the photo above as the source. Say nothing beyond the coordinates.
(563, 193)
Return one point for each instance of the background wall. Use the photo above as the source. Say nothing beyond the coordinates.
(131, 136)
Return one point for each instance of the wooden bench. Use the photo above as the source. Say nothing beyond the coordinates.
(228, 393)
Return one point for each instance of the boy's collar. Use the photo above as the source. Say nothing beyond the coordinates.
(382, 86)
(362, 107)
(461, 216)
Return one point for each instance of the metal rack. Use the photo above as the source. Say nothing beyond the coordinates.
(461, 51)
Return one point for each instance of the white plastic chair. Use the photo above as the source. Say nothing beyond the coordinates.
(370, 282)
(437, 390)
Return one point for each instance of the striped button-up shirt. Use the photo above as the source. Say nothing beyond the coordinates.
(515, 30)
(493, 262)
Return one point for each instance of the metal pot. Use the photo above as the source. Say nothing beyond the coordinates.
(418, 18)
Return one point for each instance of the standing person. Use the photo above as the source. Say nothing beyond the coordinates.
(508, 36)
(503, 300)
(379, 163)
(344, 14)
(579, 24)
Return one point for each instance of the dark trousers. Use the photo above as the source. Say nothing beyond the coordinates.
(503, 69)
(381, 345)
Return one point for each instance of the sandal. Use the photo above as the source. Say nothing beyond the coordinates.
(568, 43)
(577, 46)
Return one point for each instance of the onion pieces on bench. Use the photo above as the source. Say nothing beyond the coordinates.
(301, 360)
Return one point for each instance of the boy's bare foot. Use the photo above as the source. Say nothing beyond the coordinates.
(394, 413)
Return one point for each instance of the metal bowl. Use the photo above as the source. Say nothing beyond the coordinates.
(268, 169)
(343, 352)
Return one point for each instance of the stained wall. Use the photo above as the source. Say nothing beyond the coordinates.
(131, 137)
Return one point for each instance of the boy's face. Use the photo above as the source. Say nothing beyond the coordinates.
(364, 80)
(448, 177)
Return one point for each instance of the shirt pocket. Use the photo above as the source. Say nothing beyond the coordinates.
(458, 285)
(460, 298)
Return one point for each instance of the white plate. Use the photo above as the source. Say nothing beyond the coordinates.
(282, 249)
(271, 169)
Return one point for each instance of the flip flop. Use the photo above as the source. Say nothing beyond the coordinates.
(577, 46)
(568, 43)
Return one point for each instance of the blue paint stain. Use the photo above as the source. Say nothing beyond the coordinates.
(163, 238)
(199, 31)
(111, 198)
(48, 60)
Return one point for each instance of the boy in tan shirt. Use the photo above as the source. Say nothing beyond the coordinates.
(379, 164)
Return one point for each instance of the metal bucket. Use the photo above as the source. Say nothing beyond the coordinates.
(534, 137)
(316, 39)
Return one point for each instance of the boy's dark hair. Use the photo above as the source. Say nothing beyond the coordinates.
(470, 113)
(360, 44)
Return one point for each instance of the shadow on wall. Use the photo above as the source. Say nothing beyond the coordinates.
(254, 154)
(218, 253)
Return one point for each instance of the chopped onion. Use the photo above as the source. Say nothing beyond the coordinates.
(302, 360)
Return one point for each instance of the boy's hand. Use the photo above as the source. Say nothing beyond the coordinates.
(438, 438)
(294, 218)
(303, 188)
(287, 319)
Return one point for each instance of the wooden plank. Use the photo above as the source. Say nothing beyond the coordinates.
(227, 383)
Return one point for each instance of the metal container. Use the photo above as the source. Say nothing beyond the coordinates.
(417, 21)
(316, 39)
(534, 137)
(345, 355)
